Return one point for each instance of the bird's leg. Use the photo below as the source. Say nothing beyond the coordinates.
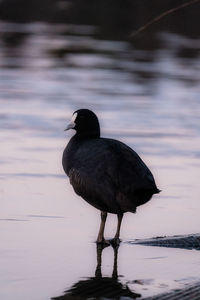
(116, 239)
(100, 238)
(100, 248)
(115, 273)
(119, 216)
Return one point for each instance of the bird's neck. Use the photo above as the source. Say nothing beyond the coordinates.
(95, 134)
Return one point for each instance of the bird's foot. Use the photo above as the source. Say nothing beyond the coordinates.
(115, 242)
(102, 242)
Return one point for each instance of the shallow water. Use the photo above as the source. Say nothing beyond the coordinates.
(147, 98)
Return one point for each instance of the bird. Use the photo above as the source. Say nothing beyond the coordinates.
(105, 172)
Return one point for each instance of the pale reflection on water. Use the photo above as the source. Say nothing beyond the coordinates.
(148, 99)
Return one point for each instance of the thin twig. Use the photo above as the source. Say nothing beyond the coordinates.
(166, 13)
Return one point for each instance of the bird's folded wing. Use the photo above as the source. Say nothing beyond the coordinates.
(129, 172)
(94, 188)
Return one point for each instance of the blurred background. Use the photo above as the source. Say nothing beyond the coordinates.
(57, 56)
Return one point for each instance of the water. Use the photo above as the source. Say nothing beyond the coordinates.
(147, 98)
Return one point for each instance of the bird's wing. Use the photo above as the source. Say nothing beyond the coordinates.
(129, 172)
(89, 179)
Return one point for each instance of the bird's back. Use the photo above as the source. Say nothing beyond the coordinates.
(108, 174)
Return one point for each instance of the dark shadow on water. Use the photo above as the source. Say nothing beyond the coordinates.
(99, 286)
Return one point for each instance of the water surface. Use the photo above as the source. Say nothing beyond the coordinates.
(148, 99)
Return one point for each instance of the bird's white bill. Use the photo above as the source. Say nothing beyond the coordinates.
(72, 123)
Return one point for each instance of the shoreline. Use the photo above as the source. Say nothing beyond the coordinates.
(188, 242)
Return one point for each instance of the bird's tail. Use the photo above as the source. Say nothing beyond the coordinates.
(157, 191)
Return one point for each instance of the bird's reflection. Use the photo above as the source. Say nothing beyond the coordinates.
(99, 286)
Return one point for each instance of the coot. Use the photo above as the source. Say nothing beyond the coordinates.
(105, 172)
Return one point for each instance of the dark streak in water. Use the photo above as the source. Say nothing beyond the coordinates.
(42, 175)
(39, 149)
(14, 220)
(146, 134)
(41, 216)
(159, 257)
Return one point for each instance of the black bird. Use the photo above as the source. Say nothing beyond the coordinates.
(105, 172)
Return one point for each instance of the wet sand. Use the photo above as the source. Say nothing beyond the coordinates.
(189, 242)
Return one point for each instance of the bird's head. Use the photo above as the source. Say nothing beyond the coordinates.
(86, 123)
